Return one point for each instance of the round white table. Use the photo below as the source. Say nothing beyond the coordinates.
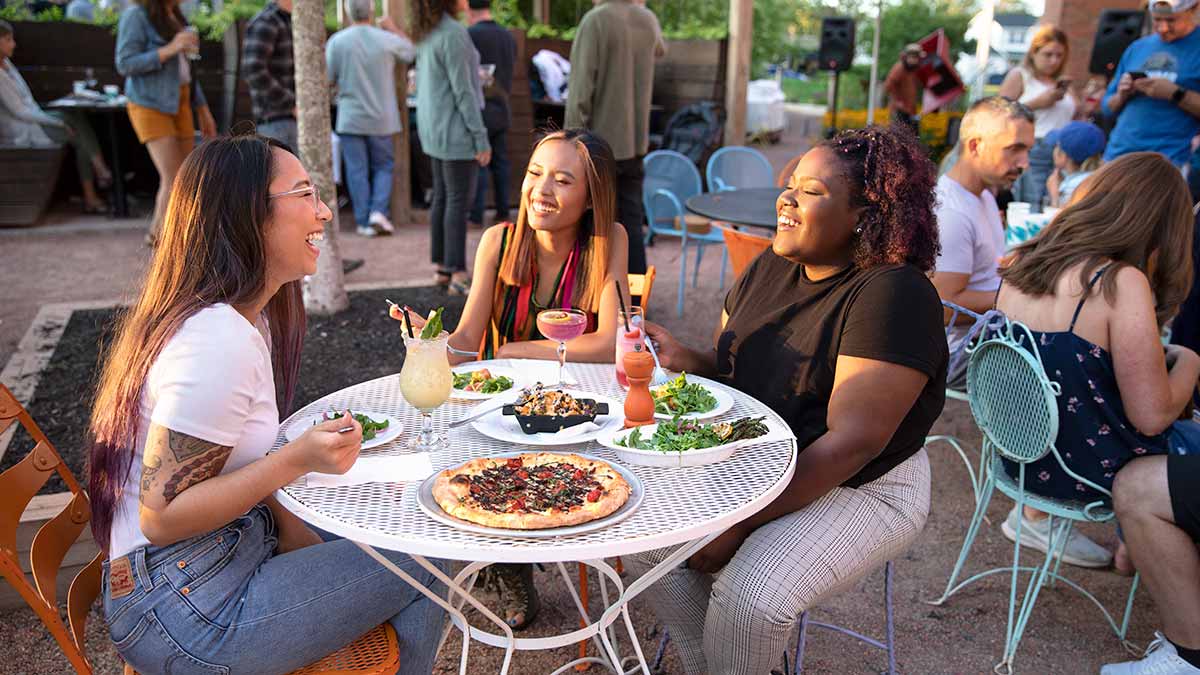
(688, 506)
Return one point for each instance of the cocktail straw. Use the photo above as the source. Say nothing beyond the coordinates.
(408, 322)
(621, 299)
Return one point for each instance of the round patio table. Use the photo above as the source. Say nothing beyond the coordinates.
(688, 506)
(745, 206)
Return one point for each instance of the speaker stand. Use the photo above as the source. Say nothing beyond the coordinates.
(833, 125)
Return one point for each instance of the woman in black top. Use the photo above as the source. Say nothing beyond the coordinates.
(837, 329)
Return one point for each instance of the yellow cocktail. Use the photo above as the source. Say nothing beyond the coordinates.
(425, 382)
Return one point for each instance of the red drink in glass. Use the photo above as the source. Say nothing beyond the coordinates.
(626, 340)
(561, 325)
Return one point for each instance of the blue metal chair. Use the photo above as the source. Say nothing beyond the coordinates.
(670, 179)
(736, 166)
(889, 644)
(1013, 402)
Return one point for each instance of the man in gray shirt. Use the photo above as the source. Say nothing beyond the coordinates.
(368, 115)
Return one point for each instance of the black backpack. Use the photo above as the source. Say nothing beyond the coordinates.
(694, 131)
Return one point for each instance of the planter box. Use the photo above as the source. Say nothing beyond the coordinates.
(27, 180)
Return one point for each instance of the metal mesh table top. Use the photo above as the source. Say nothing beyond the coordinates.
(681, 504)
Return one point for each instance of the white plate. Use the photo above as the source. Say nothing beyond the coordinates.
(505, 428)
(496, 371)
(394, 428)
(711, 455)
(637, 492)
(724, 404)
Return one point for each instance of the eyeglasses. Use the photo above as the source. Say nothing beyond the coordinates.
(310, 189)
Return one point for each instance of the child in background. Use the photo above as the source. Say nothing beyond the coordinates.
(1078, 148)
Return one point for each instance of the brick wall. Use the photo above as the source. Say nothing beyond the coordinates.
(1078, 19)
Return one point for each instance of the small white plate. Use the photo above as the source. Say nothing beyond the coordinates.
(701, 457)
(724, 404)
(496, 371)
(505, 428)
(393, 430)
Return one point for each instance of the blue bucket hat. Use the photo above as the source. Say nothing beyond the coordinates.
(1080, 140)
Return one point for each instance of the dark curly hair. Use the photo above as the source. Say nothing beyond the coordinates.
(892, 179)
(425, 15)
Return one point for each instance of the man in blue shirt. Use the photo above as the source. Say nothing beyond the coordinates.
(1156, 92)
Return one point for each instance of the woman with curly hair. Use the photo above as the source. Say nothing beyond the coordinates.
(837, 329)
(450, 124)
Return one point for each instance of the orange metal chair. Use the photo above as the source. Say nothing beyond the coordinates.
(640, 286)
(743, 247)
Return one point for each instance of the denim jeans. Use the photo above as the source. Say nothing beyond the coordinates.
(368, 162)
(1031, 186)
(284, 131)
(453, 188)
(498, 168)
(224, 602)
(629, 210)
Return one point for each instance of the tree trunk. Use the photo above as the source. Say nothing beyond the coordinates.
(324, 292)
(402, 172)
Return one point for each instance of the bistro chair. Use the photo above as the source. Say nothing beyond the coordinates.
(670, 179)
(1014, 404)
(640, 286)
(743, 248)
(737, 166)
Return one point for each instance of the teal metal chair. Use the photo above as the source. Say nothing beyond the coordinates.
(670, 180)
(1014, 404)
(736, 166)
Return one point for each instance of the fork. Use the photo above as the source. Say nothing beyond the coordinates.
(660, 376)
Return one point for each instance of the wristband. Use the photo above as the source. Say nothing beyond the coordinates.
(461, 352)
(1178, 96)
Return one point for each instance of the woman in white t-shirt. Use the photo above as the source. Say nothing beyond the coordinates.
(204, 566)
(1039, 84)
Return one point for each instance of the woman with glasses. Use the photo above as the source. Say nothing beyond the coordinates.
(204, 568)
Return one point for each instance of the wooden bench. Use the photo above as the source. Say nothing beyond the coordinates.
(27, 180)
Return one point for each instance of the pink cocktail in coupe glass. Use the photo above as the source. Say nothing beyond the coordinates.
(561, 325)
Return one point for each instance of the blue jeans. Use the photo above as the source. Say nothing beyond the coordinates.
(225, 603)
(1031, 186)
(284, 131)
(368, 163)
(498, 168)
(453, 189)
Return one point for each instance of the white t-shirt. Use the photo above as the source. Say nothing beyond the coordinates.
(972, 238)
(1048, 119)
(213, 380)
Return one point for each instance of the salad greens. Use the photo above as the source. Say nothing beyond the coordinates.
(370, 427)
(680, 397)
(680, 435)
(482, 381)
(433, 325)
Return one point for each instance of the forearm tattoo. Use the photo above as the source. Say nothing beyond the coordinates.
(183, 462)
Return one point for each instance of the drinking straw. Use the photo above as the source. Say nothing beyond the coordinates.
(621, 299)
(408, 322)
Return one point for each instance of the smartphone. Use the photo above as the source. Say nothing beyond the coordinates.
(1063, 83)
(1137, 74)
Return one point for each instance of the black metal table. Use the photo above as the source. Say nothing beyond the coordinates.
(746, 206)
(110, 109)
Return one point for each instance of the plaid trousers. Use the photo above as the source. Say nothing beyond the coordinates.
(739, 620)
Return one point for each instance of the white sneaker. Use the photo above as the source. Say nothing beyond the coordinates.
(366, 231)
(1079, 551)
(381, 223)
(1161, 659)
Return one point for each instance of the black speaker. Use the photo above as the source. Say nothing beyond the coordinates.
(837, 43)
(1117, 29)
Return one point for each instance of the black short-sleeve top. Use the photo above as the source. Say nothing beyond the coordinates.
(785, 332)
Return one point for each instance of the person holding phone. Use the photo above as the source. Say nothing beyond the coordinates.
(1039, 83)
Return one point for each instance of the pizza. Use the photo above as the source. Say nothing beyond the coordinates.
(532, 491)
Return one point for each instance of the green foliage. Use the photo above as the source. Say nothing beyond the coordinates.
(910, 20)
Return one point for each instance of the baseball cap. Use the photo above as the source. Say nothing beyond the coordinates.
(487, 4)
(1170, 6)
(1079, 140)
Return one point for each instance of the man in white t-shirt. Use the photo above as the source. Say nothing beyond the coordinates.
(994, 143)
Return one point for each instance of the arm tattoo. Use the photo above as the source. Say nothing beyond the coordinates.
(200, 469)
(150, 467)
(190, 460)
(185, 447)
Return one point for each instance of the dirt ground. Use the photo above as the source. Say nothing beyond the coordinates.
(78, 260)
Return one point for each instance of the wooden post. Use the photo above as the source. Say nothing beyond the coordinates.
(402, 171)
(737, 74)
(541, 11)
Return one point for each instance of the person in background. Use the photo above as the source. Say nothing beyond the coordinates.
(269, 70)
(367, 114)
(611, 81)
(497, 48)
(660, 45)
(153, 42)
(1039, 84)
(450, 124)
(1078, 151)
(81, 10)
(903, 86)
(24, 124)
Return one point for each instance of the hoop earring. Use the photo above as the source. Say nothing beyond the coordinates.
(858, 230)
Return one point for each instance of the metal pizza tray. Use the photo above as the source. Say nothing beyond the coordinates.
(637, 492)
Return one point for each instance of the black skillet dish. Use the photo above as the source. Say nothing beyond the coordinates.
(585, 410)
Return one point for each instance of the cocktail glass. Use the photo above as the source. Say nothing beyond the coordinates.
(425, 382)
(561, 325)
(627, 340)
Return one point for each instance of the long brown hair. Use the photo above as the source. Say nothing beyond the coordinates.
(1135, 210)
(595, 227)
(211, 251)
(425, 15)
(1047, 34)
(165, 16)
